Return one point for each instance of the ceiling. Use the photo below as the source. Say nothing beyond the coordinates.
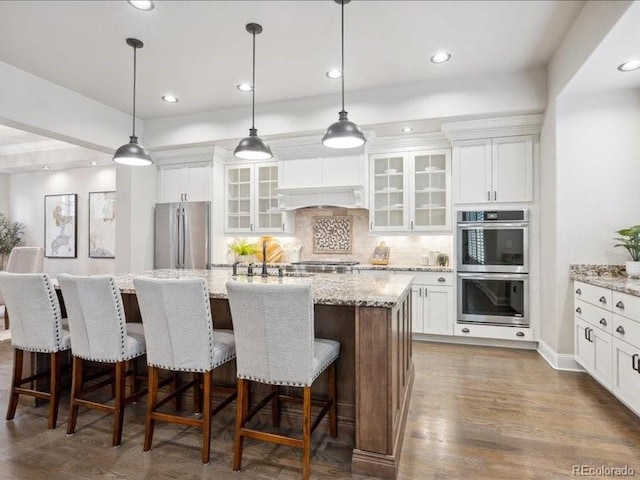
(200, 51)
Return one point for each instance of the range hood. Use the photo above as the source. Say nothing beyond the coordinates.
(345, 196)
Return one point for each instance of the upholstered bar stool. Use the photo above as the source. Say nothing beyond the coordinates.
(37, 327)
(180, 337)
(99, 333)
(23, 260)
(274, 330)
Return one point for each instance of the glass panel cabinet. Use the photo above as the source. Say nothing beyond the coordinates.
(411, 191)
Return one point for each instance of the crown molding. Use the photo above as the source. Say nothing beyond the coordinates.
(409, 142)
(493, 127)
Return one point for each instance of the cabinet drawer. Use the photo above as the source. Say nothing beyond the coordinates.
(627, 330)
(433, 278)
(592, 294)
(491, 331)
(626, 305)
(596, 316)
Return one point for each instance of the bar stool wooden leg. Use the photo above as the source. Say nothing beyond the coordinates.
(76, 388)
(275, 406)
(333, 410)
(306, 434)
(241, 414)
(118, 414)
(54, 388)
(206, 417)
(6, 318)
(18, 356)
(152, 399)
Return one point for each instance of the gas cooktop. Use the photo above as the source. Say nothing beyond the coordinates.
(322, 266)
(326, 262)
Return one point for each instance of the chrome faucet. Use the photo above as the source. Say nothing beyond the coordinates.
(234, 268)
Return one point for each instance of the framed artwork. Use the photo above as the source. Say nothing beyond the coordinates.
(332, 234)
(60, 226)
(102, 224)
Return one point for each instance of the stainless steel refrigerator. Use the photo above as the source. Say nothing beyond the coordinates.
(182, 235)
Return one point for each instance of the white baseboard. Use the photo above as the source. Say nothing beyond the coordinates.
(558, 361)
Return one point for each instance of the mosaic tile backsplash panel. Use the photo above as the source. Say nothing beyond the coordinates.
(332, 234)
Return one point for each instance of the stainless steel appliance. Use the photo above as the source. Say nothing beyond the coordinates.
(182, 235)
(493, 241)
(493, 267)
(322, 266)
(493, 299)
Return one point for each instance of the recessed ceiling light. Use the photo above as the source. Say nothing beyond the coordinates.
(145, 5)
(245, 87)
(407, 129)
(440, 57)
(629, 66)
(170, 98)
(46, 168)
(335, 73)
(93, 163)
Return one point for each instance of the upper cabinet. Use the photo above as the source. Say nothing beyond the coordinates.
(251, 200)
(185, 184)
(493, 170)
(410, 191)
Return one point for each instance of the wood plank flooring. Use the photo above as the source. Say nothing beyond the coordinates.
(475, 413)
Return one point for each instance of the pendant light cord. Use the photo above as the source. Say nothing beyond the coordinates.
(134, 90)
(342, 10)
(253, 84)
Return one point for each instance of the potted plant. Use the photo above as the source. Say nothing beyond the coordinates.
(630, 239)
(10, 236)
(242, 250)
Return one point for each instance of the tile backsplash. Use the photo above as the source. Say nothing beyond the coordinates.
(405, 249)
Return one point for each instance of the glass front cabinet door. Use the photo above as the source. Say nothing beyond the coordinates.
(239, 195)
(430, 189)
(388, 210)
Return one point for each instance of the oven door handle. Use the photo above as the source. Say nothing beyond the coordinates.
(494, 276)
(483, 225)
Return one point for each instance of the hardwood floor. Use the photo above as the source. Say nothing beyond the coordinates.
(475, 413)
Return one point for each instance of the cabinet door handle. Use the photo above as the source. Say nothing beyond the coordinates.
(182, 197)
(620, 305)
(495, 195)
(578, 310)
(578, 292)
(370, 225)
(465, 330)
(589, 335)
(442, 280)
(603, 322)
(620, 330)
(488, 199)
(251, 227)
(420, 292)
(411, 224)
(634, 363)
(283, 227)
(519, 334)
(185, 197)
(603, 300)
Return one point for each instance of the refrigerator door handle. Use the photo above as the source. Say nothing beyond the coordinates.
(179, 224)
(184, 236)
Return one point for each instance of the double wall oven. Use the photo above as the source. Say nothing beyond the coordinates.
(493, 267)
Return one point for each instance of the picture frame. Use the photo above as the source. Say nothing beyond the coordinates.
(61, 225)
(102, 224)
(381, 255)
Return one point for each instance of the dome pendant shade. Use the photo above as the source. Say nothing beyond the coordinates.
(253, 147)
(132, 154)
(343, 134)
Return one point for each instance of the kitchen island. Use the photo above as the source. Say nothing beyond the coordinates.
(371, 317)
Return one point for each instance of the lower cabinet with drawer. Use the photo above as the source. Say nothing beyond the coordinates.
(493, 332)
(607, 340)
(432, 303)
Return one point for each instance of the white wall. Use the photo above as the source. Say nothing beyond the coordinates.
(510, 94)
(27, 191)
(4, 194)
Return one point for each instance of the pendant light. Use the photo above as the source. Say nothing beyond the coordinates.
(133, 153)
(343, 133)
(253, 147)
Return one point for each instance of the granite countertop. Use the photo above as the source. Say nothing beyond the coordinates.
(606, 276)
(328, 289)
(368, 266)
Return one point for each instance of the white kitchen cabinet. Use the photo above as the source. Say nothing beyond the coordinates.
(251, 201)
(410, 191)
(583, 349)
(185, 184)
(493, 170)
(433, 304)
(626, 373)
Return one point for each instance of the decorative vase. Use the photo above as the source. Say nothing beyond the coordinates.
(633, 269)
